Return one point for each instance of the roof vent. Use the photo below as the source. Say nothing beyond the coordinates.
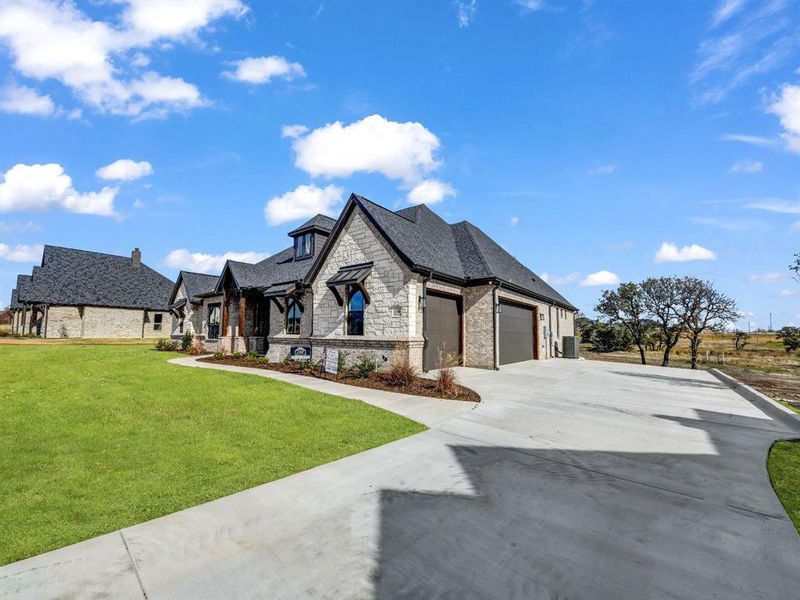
(136, 258)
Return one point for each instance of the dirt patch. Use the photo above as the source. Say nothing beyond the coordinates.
(776, 385)
(420, 386)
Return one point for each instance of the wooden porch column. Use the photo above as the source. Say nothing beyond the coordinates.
(242, 311)
(224, 316)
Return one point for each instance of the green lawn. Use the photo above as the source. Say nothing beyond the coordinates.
(95, 438)
(784, 471)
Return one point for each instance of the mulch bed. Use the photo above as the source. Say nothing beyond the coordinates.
(778, 385)
(420, 386)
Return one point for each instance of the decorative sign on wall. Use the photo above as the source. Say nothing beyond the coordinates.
(331, 361)
(300, 353)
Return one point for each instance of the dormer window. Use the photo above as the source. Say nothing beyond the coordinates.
(304, 245)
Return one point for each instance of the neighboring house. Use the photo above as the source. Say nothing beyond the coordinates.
(186, 303)
(5, 317)
(82, 294)
(389, 283)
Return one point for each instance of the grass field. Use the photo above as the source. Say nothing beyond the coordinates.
(784, 472)
(762, 364)
(94, 438)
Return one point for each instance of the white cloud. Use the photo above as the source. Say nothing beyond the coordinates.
(600, 278)
(303, 202)
(466, 11)
(404, 151)
(200, 262)
(747, 166)
(263, 69)
(766, 278)
(754, 140)
(23, 100)
(786, 106)
(562, 279)
(728, 224)
(725, 10)
(603, 170)
(430, 191)
(293, 131)
(671, 253)
(9, 228)
(125, 169)
(22, 252)
(513, 221)
(789, 293)
(776, 205)
(795, 226)
(531, 5)
(40, 187)
(55, 40)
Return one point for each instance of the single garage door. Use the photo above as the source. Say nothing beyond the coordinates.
(516, 333)
(442, 328)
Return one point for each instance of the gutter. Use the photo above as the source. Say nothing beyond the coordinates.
(424, 296)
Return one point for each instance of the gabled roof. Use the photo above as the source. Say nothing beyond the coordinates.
(278, 268)
(17, 294)
(318, 222)
(79, 277)
(460, 252)
(195, 284)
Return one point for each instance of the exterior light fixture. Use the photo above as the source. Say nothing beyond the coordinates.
(422, 302)
(498, 308)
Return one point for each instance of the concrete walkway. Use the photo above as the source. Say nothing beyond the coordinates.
(572, 479)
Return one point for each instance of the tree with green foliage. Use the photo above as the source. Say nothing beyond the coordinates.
(661, 296)
(610, 337)
(625, 306)
(790, 337)
(703, 308)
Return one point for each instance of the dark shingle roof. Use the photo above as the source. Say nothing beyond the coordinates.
(460, 251)
(197, 284)
(278, 268)
(80, 277)
(319, 221)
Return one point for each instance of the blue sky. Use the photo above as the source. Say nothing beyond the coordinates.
(595, 141)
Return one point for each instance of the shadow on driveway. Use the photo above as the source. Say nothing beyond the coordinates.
(687, 381)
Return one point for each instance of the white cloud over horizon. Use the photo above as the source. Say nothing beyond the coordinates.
(603, 170)
(669, 252)
(124, 169)
(303, 202)
(258, 70)
(39, 187)
(26, 253)
(562, 279)
(600, 278)
(200, 262)
(747, 166)
(767, 277)
(51, 40)
(776, 205)
(786, 106)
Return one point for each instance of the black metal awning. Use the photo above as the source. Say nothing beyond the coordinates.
(350, 275)
(278, 289)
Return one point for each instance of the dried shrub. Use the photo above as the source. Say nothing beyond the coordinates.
(197, 347)
(219, 355)
(165, 345)
(401, 373)
(446, 380)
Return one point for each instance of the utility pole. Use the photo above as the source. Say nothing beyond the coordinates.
(770, 321)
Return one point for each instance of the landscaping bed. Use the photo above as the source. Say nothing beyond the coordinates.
(376, 380)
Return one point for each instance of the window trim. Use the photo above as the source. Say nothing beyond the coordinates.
(351, 290)
(292, 303)
(158, 321)
(209, 311)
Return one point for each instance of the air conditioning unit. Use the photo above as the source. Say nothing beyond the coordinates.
(572, 347)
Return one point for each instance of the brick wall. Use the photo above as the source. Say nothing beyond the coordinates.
(478, 327)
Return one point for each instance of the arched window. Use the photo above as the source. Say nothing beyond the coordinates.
(293, 313)
(355, 310)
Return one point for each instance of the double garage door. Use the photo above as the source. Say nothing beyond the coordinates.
(517, 333)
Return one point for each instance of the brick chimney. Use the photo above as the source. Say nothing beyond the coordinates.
(136, 258)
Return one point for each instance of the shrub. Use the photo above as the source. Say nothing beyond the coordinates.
(186, 341)
(366, 364)
(611, 338)
(251, 357)
(219, 355)
(263, 360)
(790, 337)
(446, 380)
(197, 347)
(5, 333)
(401, 373)
(165, 345)
(341, 362)
(237, 355)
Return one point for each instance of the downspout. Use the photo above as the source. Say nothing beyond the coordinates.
(424, 297)
(495, 317)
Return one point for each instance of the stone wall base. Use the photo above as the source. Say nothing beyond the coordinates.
(384, 351)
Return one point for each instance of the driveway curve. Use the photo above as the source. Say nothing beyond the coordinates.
(572, 479)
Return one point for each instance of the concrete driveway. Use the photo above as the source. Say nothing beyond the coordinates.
(572, 479)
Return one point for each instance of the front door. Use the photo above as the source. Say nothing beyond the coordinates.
(213, 321)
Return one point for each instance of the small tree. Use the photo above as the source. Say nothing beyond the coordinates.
(661, 295)
(625, 306)
(790, 337)
(611, 337)
(703, 308)
(740, 339)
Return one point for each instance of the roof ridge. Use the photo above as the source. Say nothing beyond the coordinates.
(391, 212)
(198, 273)
(87, 251)
(467, 226)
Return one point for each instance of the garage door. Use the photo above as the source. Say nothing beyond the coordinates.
(442, 328)
(516, 333)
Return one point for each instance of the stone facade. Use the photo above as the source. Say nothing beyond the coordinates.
(95, 322)
(192, 317)
(64, 321)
